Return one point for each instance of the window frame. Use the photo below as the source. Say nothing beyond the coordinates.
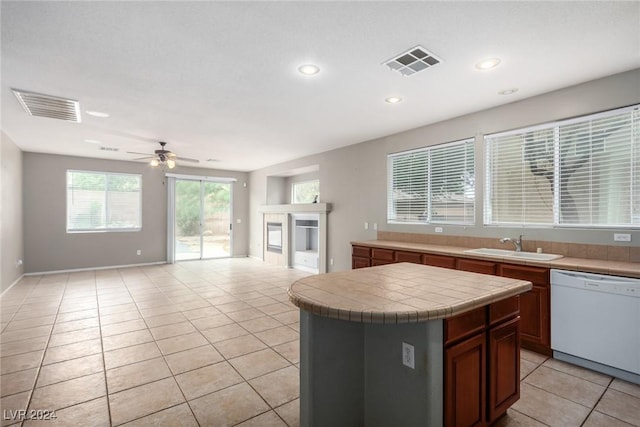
(293, 190)
(554, 126)
(429, 202)
(106, 229)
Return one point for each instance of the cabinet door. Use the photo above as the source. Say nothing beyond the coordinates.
(383, 254)
(440, 261)
(414, 257)
(465, 383)
(504, 368)
(535, 306)
(535, 324)
(476, 266)
(361, 251)
(358, 262)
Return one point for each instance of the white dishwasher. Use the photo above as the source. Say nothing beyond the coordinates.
(595, 322)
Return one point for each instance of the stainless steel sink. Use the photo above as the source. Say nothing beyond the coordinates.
(502, 253)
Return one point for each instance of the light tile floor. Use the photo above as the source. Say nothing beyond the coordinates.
(209, 343)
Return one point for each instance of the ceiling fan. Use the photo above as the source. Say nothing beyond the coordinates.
(164, 157)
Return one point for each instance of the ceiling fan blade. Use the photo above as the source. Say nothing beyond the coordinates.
(185, 159)
(146, 158)
(142, 154)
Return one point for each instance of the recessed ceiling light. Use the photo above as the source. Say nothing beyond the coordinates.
(212, 160)
(487, 64)
(508, 91)
(93, 141)
(393, 99)
(308, 69)
(97, 114)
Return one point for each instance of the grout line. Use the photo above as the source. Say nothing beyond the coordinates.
(46, 348)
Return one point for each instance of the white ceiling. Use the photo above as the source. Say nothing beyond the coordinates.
(218, 79)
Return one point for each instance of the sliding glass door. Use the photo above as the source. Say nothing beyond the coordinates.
(202, 215)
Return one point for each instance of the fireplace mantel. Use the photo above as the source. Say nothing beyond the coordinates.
(289, 256)
(296, 208)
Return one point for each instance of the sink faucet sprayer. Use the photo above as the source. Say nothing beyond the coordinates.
(516, 243)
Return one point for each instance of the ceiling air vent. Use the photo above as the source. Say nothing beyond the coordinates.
(53, 107)
(413, 61)
(109, 149)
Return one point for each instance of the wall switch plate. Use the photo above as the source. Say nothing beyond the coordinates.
(366, 225)
(408, 355)
(239, 221)
(375, 226)
(139, 252)
(621, 237)
(439, 230)
(331, 261)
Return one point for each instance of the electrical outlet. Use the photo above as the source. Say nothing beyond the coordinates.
(331, 261)
(439, 230)
(621, 237)
(366, 225)
(139, 252)
(239, 221)
(408, 356)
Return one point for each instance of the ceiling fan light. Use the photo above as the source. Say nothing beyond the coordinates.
(154, 162)
(171, 163)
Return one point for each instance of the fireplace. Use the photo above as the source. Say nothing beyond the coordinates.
(274, 237)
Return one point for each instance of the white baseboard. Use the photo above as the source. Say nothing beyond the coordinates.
(11, 285)
(109, 267)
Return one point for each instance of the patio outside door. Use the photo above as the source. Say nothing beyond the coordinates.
(202, 220)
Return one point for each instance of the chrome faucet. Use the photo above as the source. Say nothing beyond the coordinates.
(516, 243)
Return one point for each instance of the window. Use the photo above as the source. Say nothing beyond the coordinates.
(578, 172)
(98, 201)
(305, 191)
(432, 184)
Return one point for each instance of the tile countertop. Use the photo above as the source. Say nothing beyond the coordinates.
(400, 293)
(617, 268)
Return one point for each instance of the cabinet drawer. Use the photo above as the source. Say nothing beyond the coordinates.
(476, 266)
(504, 310)
(464, 324)
(440, 261)
(361, 251)
(357, 262)
(382, 254)
(413, 257)
(536, 275)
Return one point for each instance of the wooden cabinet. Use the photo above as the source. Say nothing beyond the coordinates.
(482, 364)
(535, 306)
(504, 368)
(382, 256)
(440, 261)
(414, 257)
(476, 266)
(465, 382)
(360, 257)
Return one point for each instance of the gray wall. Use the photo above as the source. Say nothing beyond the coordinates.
(49, 247)
(11, 225)
(353, 179)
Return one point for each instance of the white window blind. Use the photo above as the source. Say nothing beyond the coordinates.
(578, 172)
(432, 184)
(98, 201)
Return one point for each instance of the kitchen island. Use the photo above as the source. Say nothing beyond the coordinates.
(406, 344)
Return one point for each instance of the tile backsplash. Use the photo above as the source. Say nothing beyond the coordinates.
(573, 250)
